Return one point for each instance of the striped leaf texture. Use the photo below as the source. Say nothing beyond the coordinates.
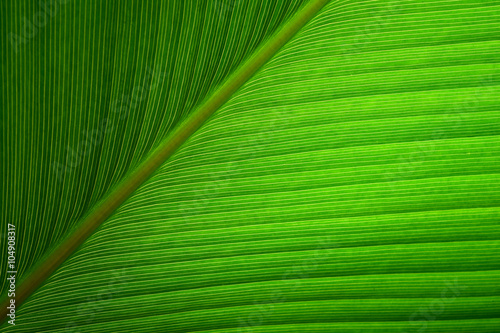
(332, 166)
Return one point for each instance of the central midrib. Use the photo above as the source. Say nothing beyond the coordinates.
(155, 159)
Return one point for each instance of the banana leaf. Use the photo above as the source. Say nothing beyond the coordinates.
(250, 166)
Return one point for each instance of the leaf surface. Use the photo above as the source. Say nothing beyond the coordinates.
(351, 185)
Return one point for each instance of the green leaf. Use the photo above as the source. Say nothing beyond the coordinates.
(348, 180)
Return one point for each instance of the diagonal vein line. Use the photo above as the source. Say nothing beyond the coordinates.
(179, 135)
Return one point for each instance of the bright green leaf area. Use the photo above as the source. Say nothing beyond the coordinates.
(351, 185)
